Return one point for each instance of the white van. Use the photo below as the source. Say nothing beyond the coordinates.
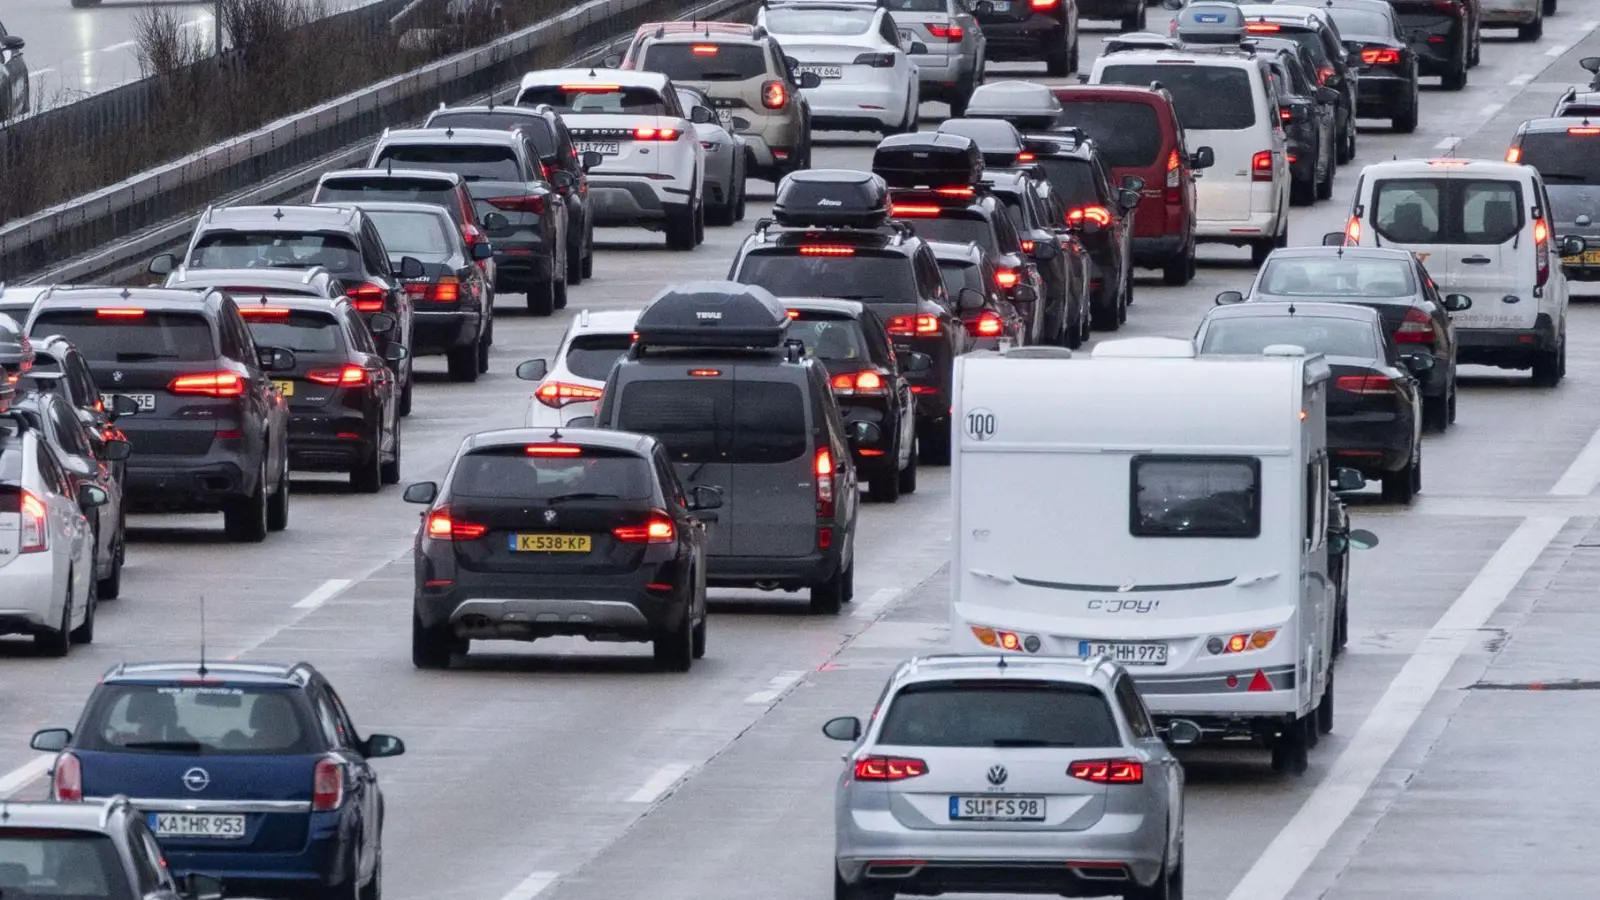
(1482, 228)
(1165, 510)
(1225, 100)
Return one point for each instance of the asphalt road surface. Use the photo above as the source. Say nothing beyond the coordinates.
(564, 770)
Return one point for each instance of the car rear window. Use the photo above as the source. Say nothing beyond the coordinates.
(300, 330)
(999, 714)
(1361, 24)
(592, 356)
(1335, 337)
(60, 864)
(399, 190)
(957, 275)
(474, 162)
(1127, 133)
(705, 62)
(276, 249)
(1072, 179)
(705, 420)
(956, 229)
(1340, 276)
(412, 232)
(830, 339)
(512, 473)
(933, 6)
(1206, 98)
(544, 137)
(633, 101)
(864, 276)
(819, 22)
(1563, 158)
(1440, 211)
(149, 337)
(197, 720)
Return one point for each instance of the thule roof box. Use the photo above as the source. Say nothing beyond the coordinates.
(928, 160)
(721, 315)
(998, 141)
(1210, 22)
(831, 198)
(1024, 104)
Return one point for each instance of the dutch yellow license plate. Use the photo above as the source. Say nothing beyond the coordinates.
(1589, 258)
(286, 386)
(551, 543)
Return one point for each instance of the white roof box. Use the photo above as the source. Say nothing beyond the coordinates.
(1140, 40)
(1145, 348)
(1024, 104)
(1208, 22)
(1036, 351)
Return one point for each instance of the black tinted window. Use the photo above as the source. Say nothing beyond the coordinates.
(1335, 337)
(399, 190)
(544, 137)
(999, 714)
(935, 6)
(472, 162)
(1074, 180)
(1014, 211)
(413, 232)
(592, 356)
(47, 864)
(302, 331)
(514, 473)
(632, 101)
(831, 340)
(1357, 24)
(277, 249)
(715, 420)
(1211, 496)
(958, 275)
(859, 277)
(705, 62)
(1207, 98)
(956, 230)
(1563, 158)
(195, 719)
(1435, 211)
(152, 336)
(1128, 134)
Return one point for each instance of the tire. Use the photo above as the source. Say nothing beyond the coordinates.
(366, 476)
(405, 398)
(679, 229)
(1302, 193)
(1436, 414)
(245, 519)
(542, 299)
(1178, 270)
(1547, 367)
(1057, 64)
(828, 597)
(1533, 30)
(1325, 186)
(1325, 708)
(485, 341)
(960, 95)
(430, 647)
(1456, 80)
(1401, 486)
(109, 587)
(1168, 887)
(744, 194)
(373, 889)
(1260, 250)
(723, 213)
(278, 503)
(1135, 21)
(933, 445)
(588, 263)
(1106, 316)
(674, 650)
(1074, 335)
(58, 642)
(1289, 750)
(1406, 121)
(884, 487)
(389, 472)
(558, 289)
(1345, 150)
(698, 651)
(908, 475)
(575, 265)
(1548, 7)
(84, 634)
(1341, 637)
(463, 363)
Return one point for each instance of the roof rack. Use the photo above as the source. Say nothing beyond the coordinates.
(898, 230)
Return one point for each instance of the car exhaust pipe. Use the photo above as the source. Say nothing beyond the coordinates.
(1098, 871)
(1182, 732)
(767, 585)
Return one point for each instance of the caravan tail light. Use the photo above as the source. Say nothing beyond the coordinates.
(1416, 328)
(1108, 771)
(889, 768)
(918, 324)
(1363, 384)
(1541, 247)
(1242, 642)
(1261, 166)
(824, 473)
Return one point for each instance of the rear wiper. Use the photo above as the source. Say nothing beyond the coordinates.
(1564, 177)
(1029, 742)
(184, 746)
(720, 76)
(861, 296)
(581, 495)
(143, 356)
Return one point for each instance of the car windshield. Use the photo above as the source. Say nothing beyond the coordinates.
(1362, 24)
(830, 340)
(197, 719)
(839, 22)
(397, 189)
(596, 99)
(145, 337)
(276, 249)
(706, 62)
(60, 864)
(592, 356)
(1336, 276)
(999, 714)
(514, 473)
(1072, 179)
(412, 232)
(300, 330)
(474, 162)
(1207, 98)
(544, 137)
(956, 230)
(958, 274)
(1564, 157)
(866, 277)
(1127, 133)
(1251, 335)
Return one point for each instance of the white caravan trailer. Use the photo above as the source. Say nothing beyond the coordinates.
(1165, 510)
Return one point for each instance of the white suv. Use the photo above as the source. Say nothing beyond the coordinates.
(653, 168)
(570, 389)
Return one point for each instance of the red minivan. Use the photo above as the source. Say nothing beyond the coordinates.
(1138, 133)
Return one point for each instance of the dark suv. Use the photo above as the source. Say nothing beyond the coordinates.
(1035, 30)
(1103, 215)
(212, 430)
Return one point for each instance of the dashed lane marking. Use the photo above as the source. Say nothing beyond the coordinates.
(323, 594)
(532, 886)
(662, 781)
(776, 687)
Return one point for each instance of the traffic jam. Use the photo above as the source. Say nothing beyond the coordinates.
(969, 460)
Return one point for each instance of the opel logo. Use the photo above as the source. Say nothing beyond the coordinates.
(997, 775)
(549, 516)
(116, 376)
(196, 779)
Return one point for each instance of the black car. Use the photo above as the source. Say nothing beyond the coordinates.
(1047, 30)
(1332, 66)
(343, 404)
(1062, 315)
(1308, 114)
(58, 368)
(1374, 411)
(1103, 215)
(558, 154)
(444, 189)
(988, 316)
(1385, 65)
(212, 430)
(580, 532)
(1443, 35)
(341, 239)
(865, 372)
(977, 217)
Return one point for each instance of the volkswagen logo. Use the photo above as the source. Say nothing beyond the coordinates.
(997, 775)
(197, 778)
(549, 516)
(116, 376)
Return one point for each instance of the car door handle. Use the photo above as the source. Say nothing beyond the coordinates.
(1477, 260)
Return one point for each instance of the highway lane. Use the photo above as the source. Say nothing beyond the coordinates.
(531, 770)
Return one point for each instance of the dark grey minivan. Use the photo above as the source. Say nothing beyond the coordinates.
(713, 376)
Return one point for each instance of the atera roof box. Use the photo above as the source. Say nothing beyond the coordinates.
(928, 160)
(998, 140)
(831, 198)
(1210, 23)
(713, 314)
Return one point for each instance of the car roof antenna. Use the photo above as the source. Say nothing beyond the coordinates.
(1291, 308)
(555, 433)
(390, 163)
(203, 670)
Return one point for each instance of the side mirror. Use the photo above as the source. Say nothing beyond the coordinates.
(1345, 479)
(1418, 363)
(381, 745)
(983, 8)
(791, 63)
(590, 159)
(162, 265)
(1228, 298)
(699, 115)
(1127, 199)
(580, 422)
(533, 370)
(969, 300)
(1362, 539)
(864, 433)
(612, 61)
(1328, 95)
(565, 180)
(483, 250)
(1572, 245)
(810, 80)
(918, 48)
(1132, 183)
(382, 323)
(90, 496)
(410, 267)
(115, 450)
(916, 362)
(1335, 82)
(123, 405)
(705, 497)
(844, 728)
(394, 353)
(1457, 302)
(1044, 251)
(275, 359)
(1333, 239)
(1204, 158)
(13, 43)
(496, 221)
(201, 887)
(1591, 63)
(50, 740)
(1022, 293)
(421, 492)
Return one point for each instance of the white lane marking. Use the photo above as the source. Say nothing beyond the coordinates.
(1557, 50)
(397, 553)
(118, 46)
(875, 604)
(1581, 477)
(1493, 108)
(661, 782)
(1447, 143)
(323, 594)
(775, 688)
(532, 886)
(1521, 80)
(18, 778)
(1297, 846)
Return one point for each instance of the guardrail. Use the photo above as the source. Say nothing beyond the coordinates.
(110, 232)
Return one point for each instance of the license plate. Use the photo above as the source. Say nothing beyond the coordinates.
(286, 386)
(1001, 5)
(824, 71)
(725, 116)
(551, 543)
(997, 809)
(1589, 258)
(145, 402)
(197, 825)
(604, 148)
(907, 37)
(1127, 654)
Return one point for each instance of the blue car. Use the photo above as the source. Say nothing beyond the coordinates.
(247, 772)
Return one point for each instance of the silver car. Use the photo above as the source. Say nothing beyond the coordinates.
(954, 63)
(979, 773)
(725, 158)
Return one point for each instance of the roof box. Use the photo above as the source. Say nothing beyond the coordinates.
(1209, 22)
(1145, 348)
(928, 160)
(831, 198)
(998, 140)
(1140, 40)
(1028, 106)
(713, 314)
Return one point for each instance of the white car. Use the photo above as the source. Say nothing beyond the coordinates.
(47, 546)
(869, 82)
(570, 388)
(653, 169)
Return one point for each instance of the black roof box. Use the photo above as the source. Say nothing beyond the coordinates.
(713, 314)
(928, 160)
(831, 198)
(998, 140)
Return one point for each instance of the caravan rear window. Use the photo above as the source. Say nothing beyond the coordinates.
(1196, 496)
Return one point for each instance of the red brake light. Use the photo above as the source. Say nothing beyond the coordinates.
(1006, 278)
(341, 376)
(552, 450)
(1109, 771)
(889, 768)
(591, 88)
(1093, 213)
(655, 134)
(863, 382)
(1263, 28)
(327, 786)
(443, 528)
(824, 472)
(1541, 246)
(367, 297)
(705, 373)
(1514, 154)
(919, 210)
(1025, 156)
(826, 250)
(988, 325)
(109, 312)
(1584, 130)
(1417, 328)
(208, 384)
(67, 785)
(955, 192)
(1261, 166)
(1042, 4)
(530, 204)
(1324, 73)
(1380, 56)
(704, 50)
(946, 32)
(921, 324)
(559, 393)
(1027, 246)
(35, 524)
(657, 530)
(1364, 384)
(1284, 114)
(263, 312)
(774, 95)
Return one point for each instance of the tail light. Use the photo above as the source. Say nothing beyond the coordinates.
(264, 312)
(1584, 130)
(1285, 114)
(826, 250)
(986, 325)
(774, 95)
(1100, 214)
(1108, 771)
(553, 450)
(1448, 6)
(35, 524)
(1514, 154)
(947, 32)
(108, 312)
(1027, 246)
(340, 376)
(889, 768)
(1364, 384)
(918, 324)
(876, 60)
(1380, 56)
(1541, 247)
(557, 394)
(1263, 28)
(824, 473)
(1006, 278)
(441, 527)
(1261, 166)
(704, 50)
(1352, 232)
(530, 204)
(657, 529)
(1323, 74)
(655, 134)
(854, 383)
(446, 290)
(367, 297)
(208, 384)
(327, 786)
(1043, 4)
(67, 785)
(918, 210)
(1417, 328)
(1174, 178)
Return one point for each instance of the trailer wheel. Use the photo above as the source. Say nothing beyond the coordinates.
(1289, 749)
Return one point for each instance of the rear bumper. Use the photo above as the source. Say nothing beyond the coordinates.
(315, 444)
(618, 201)
(1508, 348)
(1202, 694)
(1580, 272)
(1381, 95)
(789, 572)
(438, 332)
(184, 486)
(1438, 59)
(939, 74)
(515, 272)
(1509, 12)
(1154, 251)
(1031, 39)
(1258, 226)
(1372, 443)
(855, 106)
(30, 588)
(511, 607)
(321, 860)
